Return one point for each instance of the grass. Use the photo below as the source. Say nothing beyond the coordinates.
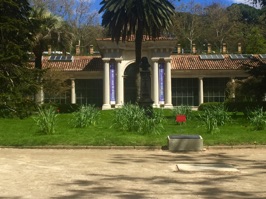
(16, 132)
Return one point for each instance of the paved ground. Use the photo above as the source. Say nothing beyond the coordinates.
(126, 174)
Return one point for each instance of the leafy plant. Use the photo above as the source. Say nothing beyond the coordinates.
(182, 110)
(210, 122)
(153, 124)
(133, 118)
(46, 119)
(209, 105)
(86, 115)
(257, 118)
(214, 116)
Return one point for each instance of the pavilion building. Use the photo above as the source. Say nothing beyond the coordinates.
(107, 79)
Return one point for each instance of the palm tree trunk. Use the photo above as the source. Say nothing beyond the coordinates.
(138, 49)
(38, 57)
(38, 66)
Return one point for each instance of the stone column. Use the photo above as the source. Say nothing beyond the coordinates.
(73, 92)
(119, 84)
(194, 50)
(106, 85)
(49, 49)
(209, 48)
(77, 50)
(155, 96)
(239, 48)
(91, 50)
(179, 48)
(39, 96)
(233, 89)
(168, 84)
(224, 50)
(201, 99)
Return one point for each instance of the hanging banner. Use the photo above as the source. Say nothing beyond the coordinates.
(161, 83)
(112, 83)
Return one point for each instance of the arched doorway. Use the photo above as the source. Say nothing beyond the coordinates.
(130, 90)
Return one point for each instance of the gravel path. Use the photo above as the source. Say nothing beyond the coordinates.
(128, 174)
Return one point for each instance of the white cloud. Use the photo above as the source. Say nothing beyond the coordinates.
(241, 1)
(248, 2)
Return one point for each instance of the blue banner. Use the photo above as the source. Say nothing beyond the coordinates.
(161, 83)
(112, 83)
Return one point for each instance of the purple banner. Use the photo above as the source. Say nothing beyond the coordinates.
(112, 83)
(161, 83)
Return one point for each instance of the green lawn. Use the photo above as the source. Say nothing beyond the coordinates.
(16, 132)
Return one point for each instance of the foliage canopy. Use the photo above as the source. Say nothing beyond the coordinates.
(17, 80)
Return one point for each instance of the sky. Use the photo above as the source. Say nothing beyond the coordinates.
(96, 6)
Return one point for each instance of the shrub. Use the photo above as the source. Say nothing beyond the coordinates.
(127, 118)
(46, 119)
(86, 115)
(63, 108)
(257, 118)
(152, 124)
(67, 108)
(133, 118)
(182, 110)
(209, 121)
(209, 105)
(235, 106)
(214, 116)
(21, 110)
(6, 111)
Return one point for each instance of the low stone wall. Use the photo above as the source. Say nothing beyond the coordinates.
(185, 143)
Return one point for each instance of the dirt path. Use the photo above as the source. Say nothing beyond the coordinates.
(126, 174)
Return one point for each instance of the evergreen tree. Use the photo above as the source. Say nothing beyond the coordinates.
(17, 80)
(253, 87)
(256, 42)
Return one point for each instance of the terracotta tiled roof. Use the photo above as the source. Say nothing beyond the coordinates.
(194, 62)
(79, 63)
(178, 62)
(145, 38)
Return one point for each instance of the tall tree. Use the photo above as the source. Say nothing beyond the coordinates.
(83, 21)
(256, 42)
(17, 80)
(124, 18)
(219, 24)
(188, 22)
(55, 84)
(248, 14)
(47, 29)
(252, 88)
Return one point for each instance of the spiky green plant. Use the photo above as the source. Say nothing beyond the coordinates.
(257, 118)
(85, 116)
(214, 116)
(134, 119)
(182, 110)
(46, 119)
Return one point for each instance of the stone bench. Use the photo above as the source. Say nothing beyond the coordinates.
(185, 143)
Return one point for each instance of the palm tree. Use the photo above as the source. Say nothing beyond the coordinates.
(47, 29)
(125, 18)
(43, 23)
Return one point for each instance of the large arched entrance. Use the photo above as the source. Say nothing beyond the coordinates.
(130, 90)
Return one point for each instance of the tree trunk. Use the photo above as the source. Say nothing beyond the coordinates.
(138, 49)
(38, 66)
(38, 58)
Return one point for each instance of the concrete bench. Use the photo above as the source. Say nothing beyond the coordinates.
(185, 143)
